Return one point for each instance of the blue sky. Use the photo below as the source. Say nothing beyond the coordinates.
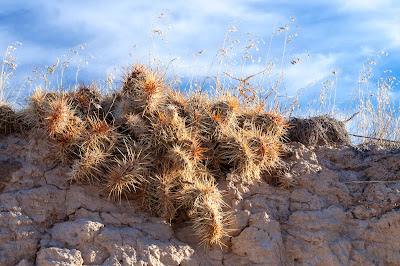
(332, 34)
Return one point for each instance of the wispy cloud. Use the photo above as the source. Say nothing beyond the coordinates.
(362, 5)
(337, 33)
(310, 71)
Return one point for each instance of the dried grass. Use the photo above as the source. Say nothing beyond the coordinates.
(318, 130)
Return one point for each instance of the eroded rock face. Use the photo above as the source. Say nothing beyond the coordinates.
(59, 256)
(339, 213)
(261, 242)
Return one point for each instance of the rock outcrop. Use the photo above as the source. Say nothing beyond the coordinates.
(343, 210)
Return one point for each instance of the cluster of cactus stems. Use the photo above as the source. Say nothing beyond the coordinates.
(154, 144)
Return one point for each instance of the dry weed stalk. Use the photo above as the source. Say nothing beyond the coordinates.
(378, 115)
(8, 67)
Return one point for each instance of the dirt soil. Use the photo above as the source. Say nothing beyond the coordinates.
(343, 210)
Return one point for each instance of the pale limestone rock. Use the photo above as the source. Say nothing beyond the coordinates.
(261, 242)
(18, 237)
(240, 220)
(43, 205)
(323, 220)
(59, 256)
(73, 233)
(302, 199)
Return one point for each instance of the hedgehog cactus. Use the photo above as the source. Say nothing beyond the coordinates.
(53, 113)
(209, 221)
(167, 128)
(128, 171)
(225, 109)
(187, 151)
(265, 121)
(198, 114)
(62, 126)
(90, 166)
(60, 120)
(223, 112)
(38, 104)
(86, 99)
(149, 140)
(122, 110)
(160, 194)
(144, 87)
(137, 125)
(201, 197)
(99, 133)
(249, 151)
(177, 100)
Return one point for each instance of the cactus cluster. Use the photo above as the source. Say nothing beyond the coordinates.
(151, 142)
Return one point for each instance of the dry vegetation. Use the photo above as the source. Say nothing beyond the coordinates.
(151, 142)
(167, 149)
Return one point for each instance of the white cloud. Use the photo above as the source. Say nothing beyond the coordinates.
(360, 5)
(387, 32)
(310, 71)
(113, 30)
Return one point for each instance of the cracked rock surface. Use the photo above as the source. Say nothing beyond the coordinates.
(343, 210)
